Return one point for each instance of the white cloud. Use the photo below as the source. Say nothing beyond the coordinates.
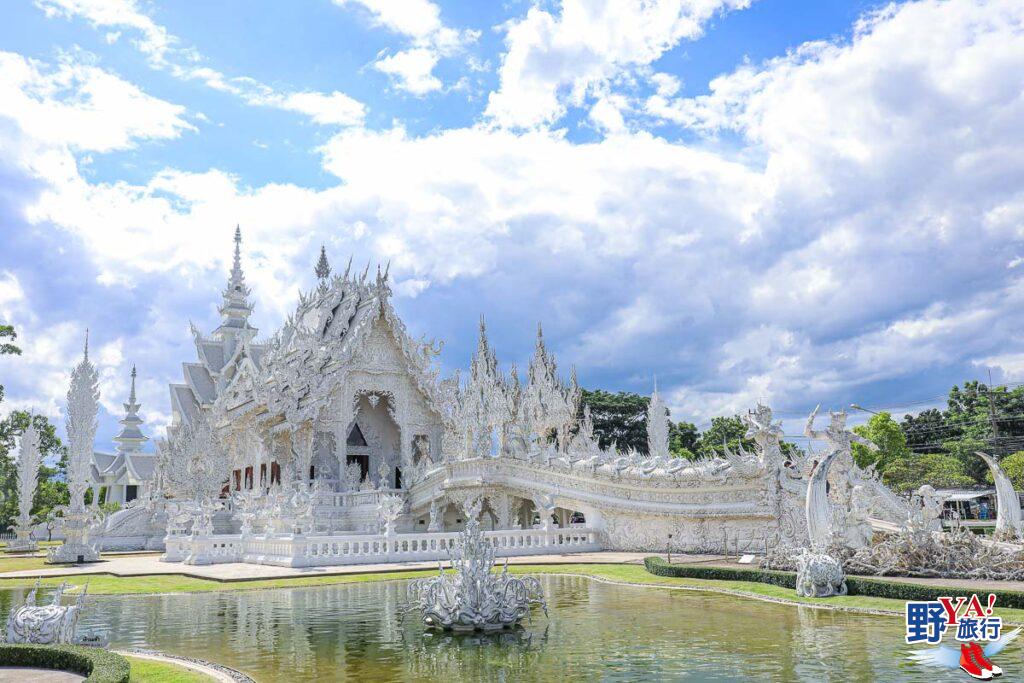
(163, 52)
(554, 60)
(82, 106)
(420, 21)
(413, 70)
(11, 294)
(860, 234)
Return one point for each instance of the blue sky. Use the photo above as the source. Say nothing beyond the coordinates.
(798, 202)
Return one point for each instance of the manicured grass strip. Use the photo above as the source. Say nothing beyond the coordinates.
(98, 666)
(864, 591)
(16, 564)
(152, 671)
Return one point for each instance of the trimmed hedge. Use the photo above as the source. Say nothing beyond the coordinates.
(856, 585)
(98, 666)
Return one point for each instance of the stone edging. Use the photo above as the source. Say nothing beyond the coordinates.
(216, 671)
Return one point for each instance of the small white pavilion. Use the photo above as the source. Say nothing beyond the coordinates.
(124, 473)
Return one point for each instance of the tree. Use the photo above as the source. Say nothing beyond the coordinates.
(7, 348)
(619, 418)
(941, 471)
(724, 430)
(885, 433)
(1013, 465)
(682, 440)
(925, 431)
(52, 491)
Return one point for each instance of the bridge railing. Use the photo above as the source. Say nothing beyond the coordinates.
(325, 550)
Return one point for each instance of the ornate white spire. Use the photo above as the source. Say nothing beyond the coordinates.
(29, 459)
(131, 438)
(657, 425)
(323, 269)
(83, 407)
(235, 308)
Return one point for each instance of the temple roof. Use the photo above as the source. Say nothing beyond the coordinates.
(131, 439)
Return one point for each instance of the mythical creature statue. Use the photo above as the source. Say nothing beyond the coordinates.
(858, 527)
(819, 575)
(53, 624)
(471, 597)
(928, 516)
(838, 442)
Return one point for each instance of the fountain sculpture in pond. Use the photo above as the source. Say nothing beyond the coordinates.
(470, 597)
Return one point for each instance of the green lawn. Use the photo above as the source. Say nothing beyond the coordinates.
(14, 563)
(623, 573)
(151, 671)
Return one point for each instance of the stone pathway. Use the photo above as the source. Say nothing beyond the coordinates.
(20, 674)
(141, 565)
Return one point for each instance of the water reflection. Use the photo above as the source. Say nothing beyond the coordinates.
(596, 631)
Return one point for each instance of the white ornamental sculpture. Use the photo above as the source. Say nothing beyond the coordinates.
(83, 407)
(838, 445)
(470, 597)
(657, 426)
(52, 624)
(389, 509)
(818, 574)
(1009, 523)
(29, 459)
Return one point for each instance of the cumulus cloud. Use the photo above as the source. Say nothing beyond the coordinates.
(554, 60)
(413, 69)
(420, 22)
(859, 236)
(164, 51)
(82, 106)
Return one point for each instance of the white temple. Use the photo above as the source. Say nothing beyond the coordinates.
(125, 473)
(336, 441)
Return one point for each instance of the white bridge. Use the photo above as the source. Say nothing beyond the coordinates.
(299, 550)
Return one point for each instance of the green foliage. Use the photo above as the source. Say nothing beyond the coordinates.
(1013, 465)
(7, 348)
(937, 469)
(99, 666)
(855, 585)
(723, 430)
(682, 439)
(619, 418)
(887, 435)
(52, 490)
(659, 567)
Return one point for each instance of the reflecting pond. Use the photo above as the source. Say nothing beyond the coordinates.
(596, 631)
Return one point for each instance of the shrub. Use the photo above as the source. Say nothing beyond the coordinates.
(856, 585)
(98, 666)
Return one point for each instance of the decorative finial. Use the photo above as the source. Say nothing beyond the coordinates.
(347, 268)
(86, 343)
(323, 268)
(131, 396)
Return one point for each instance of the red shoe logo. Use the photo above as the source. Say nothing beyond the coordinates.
(984, 661)
(970, 664)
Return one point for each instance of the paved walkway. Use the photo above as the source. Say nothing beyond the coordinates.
(141, 565)
(20, 674)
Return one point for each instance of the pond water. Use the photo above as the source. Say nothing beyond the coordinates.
(595, 632)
